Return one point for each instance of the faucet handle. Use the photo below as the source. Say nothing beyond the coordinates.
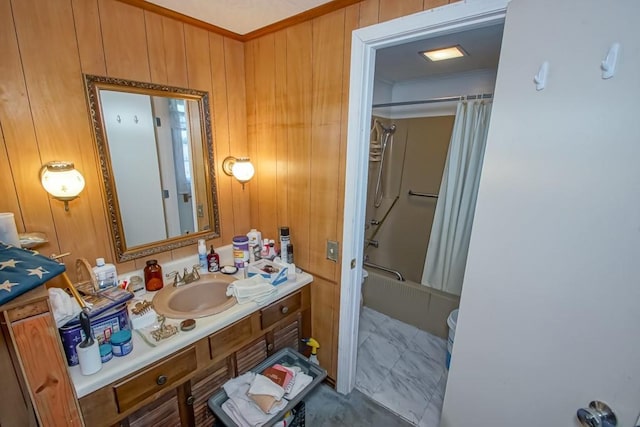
(171, 275)
(195, 271)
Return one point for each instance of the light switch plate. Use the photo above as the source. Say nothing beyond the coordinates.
(332, 250)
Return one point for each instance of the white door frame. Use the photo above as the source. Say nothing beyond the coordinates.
(456, 17)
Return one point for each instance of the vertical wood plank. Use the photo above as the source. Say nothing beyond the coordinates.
(124, 40)
(52, 68)
(322, 320)
(299, 116)
(252, 143)
(20, 145)
(266, 135)
(221, 133)
(237, 122)
(9, 200)
(391, 9)
(369, 13)
(282, 152)
(89, 36)
(430, 4)
(174, 48)
(38, 345)
(155, 47)
(328, 46)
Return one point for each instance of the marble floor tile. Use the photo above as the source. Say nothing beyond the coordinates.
(431, 345)
(399, 333)
(402, 395)
(401, 367)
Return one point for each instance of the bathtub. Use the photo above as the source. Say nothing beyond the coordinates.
(410, 302)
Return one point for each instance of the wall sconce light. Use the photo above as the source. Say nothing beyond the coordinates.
(62, 181)
(238, 167)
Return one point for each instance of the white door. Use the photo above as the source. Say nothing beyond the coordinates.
(550, 313)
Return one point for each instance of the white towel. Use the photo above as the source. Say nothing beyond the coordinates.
(64, 307)
(255, 288)
(263, 385)
(240, 408)
(300, 382)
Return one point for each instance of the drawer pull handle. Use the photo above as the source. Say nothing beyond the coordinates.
(161, 380)
(191, 400)
(270, 347)
(284, 310)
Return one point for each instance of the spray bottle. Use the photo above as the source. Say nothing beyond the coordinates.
(314, 349)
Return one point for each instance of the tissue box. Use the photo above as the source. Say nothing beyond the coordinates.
(274, 273)
(102, 328)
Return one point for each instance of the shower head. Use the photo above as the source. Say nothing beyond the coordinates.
(391, 129)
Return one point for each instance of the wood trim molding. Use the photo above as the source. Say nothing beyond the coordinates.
(307, 15)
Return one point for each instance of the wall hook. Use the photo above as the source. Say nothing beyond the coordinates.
(540, 79)
(118, 119)
(135, 119)
(608, 66)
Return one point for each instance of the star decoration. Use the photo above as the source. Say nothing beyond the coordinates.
(8, 263)
(7, 285)
(37, 271)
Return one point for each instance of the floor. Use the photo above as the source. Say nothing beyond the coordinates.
(402, 368)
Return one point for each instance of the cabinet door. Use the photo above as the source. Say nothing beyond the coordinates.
(163, 412)
(203, 387)
(250, 355)
(38, 348)
(287, 335)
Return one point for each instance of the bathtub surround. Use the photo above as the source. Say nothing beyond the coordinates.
(401, 367)
(410, 302)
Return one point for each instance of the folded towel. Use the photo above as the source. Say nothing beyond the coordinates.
(255, 288)
(266, 394)
(300, 381)
(64, 307)
(240, 408)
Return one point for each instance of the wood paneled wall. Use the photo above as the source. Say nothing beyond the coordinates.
(297, 82)
(46, 47)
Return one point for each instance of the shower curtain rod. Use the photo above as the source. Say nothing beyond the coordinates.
(434, 100)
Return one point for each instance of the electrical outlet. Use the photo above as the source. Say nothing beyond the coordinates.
(332, 250)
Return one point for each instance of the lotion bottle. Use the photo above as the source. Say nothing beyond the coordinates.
(202, 255)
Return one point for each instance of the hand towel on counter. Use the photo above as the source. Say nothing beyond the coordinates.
(255, 288)
(64, 306)
(266, 394)
(240, 408)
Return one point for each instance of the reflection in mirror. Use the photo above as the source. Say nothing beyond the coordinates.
(156, 155)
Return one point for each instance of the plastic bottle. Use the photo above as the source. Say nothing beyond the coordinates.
(285, 241)
(265, 249)
(153, 276)
(106, 274)
(240, 250)
(314, 349)
(213, 261)
(202, 254)
(272, 249)
(255, 240)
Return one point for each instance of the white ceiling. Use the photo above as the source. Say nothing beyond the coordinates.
(239, 16)
(403, 63)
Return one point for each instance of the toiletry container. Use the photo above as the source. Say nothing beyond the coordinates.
(240, 250)
(213, 261)
(202, 254)
(285, 241)
(255, 241)
(106, 274)
(153, 276)
(121, 343)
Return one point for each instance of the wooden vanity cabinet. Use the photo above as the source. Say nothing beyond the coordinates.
(191, 375)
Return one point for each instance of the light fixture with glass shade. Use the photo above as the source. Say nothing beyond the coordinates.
(62, 181)
(238, 167)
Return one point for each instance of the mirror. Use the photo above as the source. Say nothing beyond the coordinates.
(156, 156)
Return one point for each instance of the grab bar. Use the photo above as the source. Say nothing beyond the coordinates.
(431, 195)
(388, 270)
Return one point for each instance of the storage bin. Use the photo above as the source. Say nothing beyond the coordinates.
(288, 357)
(102, 326)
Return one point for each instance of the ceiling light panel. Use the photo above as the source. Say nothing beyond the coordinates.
(444, 53)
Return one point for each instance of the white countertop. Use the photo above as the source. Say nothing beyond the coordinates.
(143, 354)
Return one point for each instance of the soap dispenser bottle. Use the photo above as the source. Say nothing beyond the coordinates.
(213, 261)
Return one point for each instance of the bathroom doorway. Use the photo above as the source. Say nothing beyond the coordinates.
(443, 21)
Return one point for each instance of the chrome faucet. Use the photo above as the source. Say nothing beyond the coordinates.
(186, 277)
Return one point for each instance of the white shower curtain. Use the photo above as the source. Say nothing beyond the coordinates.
(449, 242)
